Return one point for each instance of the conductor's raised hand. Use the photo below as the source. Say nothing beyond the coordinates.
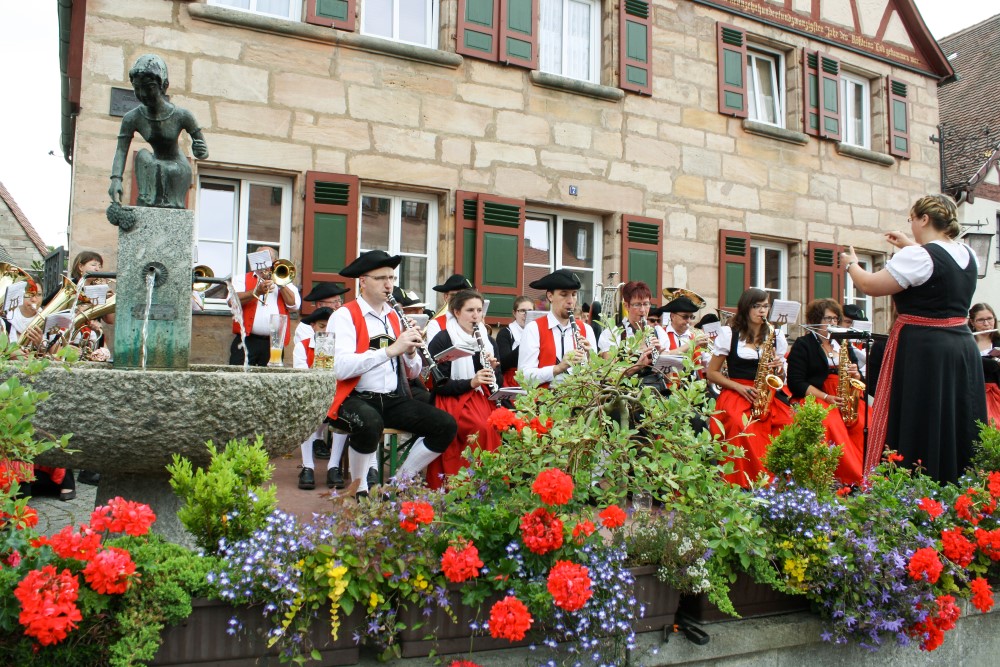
(899, 239)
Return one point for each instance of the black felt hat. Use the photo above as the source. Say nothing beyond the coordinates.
(854, 312)
(707, 318)
(681, 304)
(453, 284)
(406, 299)
(369, 261)
(561, 279)
(317, 315)
(326, 290)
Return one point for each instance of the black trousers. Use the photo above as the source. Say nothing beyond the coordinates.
(364, 415)
(259, 348)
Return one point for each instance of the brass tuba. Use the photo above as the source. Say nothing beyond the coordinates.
(766, 384)
(849, 390)
(83, 319)
(671, 293)
(10, 274)
(64, 299)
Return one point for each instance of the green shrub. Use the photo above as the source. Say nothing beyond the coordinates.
(986, 454)
(802, 452)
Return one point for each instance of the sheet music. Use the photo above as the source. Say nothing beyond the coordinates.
(669, 362)
(534, 315)
(14, 296)
(712, 329)
(60, 320)
(454, 352)
(259, 261)
(784, 312)
(862, 325)
(420, 320)
(507, 392)
(96, 294)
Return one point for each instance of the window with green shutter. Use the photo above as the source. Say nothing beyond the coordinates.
(899, 124)
(821, 87)
(732, 84)
(825, 273)
(330, 229)
(635, 52)
(734, 266)
(478, 28)
(339, 14)
(642, 250)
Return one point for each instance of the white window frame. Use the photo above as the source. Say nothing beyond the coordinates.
(866, 262)
(757, 272)
(556, 220)
(243, 181)
(294, 9)
(754, 102)
(432, 26)
(846, 81)
(594, 68)
(396, 198)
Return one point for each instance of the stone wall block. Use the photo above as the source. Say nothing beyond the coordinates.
(572, 135)
(202, 43)
(742, 170)
(281, 55)
(229, 81)
(691, 188)
(731, 194)
(520, 128)
(457, 118)
(522, 183)
(253, 119)
(147, 11)
(655, 180)
(601, 195)
(643, 150)
(789, 180)
(393, 170)
(701, 162)
(855, 192)
(385, 106)
(682, 225)
(491, 96)
(456, 151)
(246, 150)
(684, 135)
(487, 153)
(608, 144)
(710, 121)
(321, 94)
(330, 160)
(333, 132)
(106, 60)
(405, 142)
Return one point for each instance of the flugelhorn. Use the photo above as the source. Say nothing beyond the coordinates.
(201, 271)
(281, 273)
(671, 293)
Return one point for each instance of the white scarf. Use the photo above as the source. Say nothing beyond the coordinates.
(463, 369)
(515, 332)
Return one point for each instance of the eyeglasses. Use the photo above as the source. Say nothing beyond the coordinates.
(760, 306)
(687, 316)
(644, 304)
(984, 320)
(381, 279)
(521, 311)
(833, 319)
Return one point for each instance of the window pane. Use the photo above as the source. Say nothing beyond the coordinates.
(264, 216)
(586, 293)
(768, 99)
(578, 244)
(413, 274)
(578, 28)
(537, 245)
(857, 118)
(218, 256)
(755, 273)
(375, 223)
(550, 36)
(241, 4)
(378, 18)
(413, 20)
(752, 101)
(414, 233)
(772, 269)
(217, 211)
(277, 7)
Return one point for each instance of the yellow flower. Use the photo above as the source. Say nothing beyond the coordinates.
(420, 583)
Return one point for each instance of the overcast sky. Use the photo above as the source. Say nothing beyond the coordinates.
(31, 162)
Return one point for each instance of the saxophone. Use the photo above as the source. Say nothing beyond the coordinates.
(849, 390)
(766, 384)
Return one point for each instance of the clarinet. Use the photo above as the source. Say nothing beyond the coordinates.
(577, 337)
(483, 360)
(430, 366)
(651, 343)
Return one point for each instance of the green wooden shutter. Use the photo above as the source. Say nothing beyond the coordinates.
(899, 124)
(635, 49)
(478, 29)
(732, 49)
(337, 14)
(330, 229)
(825, 276)
(810, 92)
(642, 250)
(466, 210)
(734, 267)
(821, 93)
(519, 33)
(499, 252)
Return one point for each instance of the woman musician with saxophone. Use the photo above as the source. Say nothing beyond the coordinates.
(471, 381)
(828, 371)
(754, 352)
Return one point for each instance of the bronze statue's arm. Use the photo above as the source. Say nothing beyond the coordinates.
(125, 135)
(198, 146)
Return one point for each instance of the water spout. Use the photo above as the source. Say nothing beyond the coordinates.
(150, 282)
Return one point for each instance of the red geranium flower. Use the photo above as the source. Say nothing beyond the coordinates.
(48, 604)
(122, 516)
(844, 491)
(613, 517)
(69, 544)
(540, 428)
(957, 547)
(111, 571)
(509, 619)
(463, 663)
(933, 508)
(893, 457)
(585, 528)
(982, 594)
(964, 506)
(501, 419)
(461, 565)
(569, 585)
(994, 484)
(989, 542)
(13, 558)
(553, 486)
(414, 513)
(925, 564)
(542, 531)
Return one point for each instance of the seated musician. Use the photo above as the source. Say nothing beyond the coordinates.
(302, 357)
(322, 295)
(680, 335)
(373, 356)
(466, 394)
(22, 316)
(257, 315)
(982, 318)
(509, 340)
(814, 370)
(550, 345)
(636, 296)
(447, 289)
(740, 347)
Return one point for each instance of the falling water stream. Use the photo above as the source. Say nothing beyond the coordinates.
(150, 281)
(234, 305)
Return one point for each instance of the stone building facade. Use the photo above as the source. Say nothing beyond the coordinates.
(674, 141)
(20, 243)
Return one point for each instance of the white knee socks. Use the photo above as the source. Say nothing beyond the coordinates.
(418, 459)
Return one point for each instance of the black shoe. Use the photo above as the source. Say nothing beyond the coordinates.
(321, 450)
(67, 494)
(307, 480)
(88, 477)
(361, 495)
(372, 477)
(334, 479)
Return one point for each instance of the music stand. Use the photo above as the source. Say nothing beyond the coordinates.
(868, 338)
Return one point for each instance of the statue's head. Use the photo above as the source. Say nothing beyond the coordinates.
(152, 66)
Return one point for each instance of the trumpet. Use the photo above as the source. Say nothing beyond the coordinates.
(281, 273)
(201, 271)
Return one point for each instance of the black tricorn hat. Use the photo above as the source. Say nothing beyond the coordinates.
(854, 312)
(681, 304)
(369, 261)
(317, 315)
(405, 299)
(325, 290)
(453, 284)
(561, 279)
(707, 318)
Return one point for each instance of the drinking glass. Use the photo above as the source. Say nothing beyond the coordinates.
(323, 346)
(278, 325)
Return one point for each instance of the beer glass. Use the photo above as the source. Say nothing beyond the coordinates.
(323, 346)
(278, 325)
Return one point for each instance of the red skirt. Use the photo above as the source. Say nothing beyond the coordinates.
(850, 438)
(508, 378)
(470, 410)
(993, 404)
(727, 423)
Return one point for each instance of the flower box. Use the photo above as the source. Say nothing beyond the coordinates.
(749, 598)
(659, 599)
(202, 638)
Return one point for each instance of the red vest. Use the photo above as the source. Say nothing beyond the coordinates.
(546, 344)
(310, 352)
(442, 321)
(250, 309)
(347, 385)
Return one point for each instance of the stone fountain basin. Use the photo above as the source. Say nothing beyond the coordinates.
(134, 421)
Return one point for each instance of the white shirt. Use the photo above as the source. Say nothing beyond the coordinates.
(302, 332)
(18, 323)
(376, 370)
(608, 340)
(299, 358)
(725, 339)
(433, 328)
(682, 338)
(913, 265)
(528, 359)
(262, 316)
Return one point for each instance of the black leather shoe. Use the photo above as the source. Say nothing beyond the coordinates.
(321, 450)
(307, 480)
(334, 479)
(88, 477)
(372, 477)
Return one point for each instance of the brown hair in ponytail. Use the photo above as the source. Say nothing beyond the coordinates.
(942, 212)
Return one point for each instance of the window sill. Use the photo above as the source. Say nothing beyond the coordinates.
(865, 154)
(779, 133)
(566, 84)
(324, 35)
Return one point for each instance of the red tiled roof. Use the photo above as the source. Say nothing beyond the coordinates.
(968, 107)
(23, 220)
